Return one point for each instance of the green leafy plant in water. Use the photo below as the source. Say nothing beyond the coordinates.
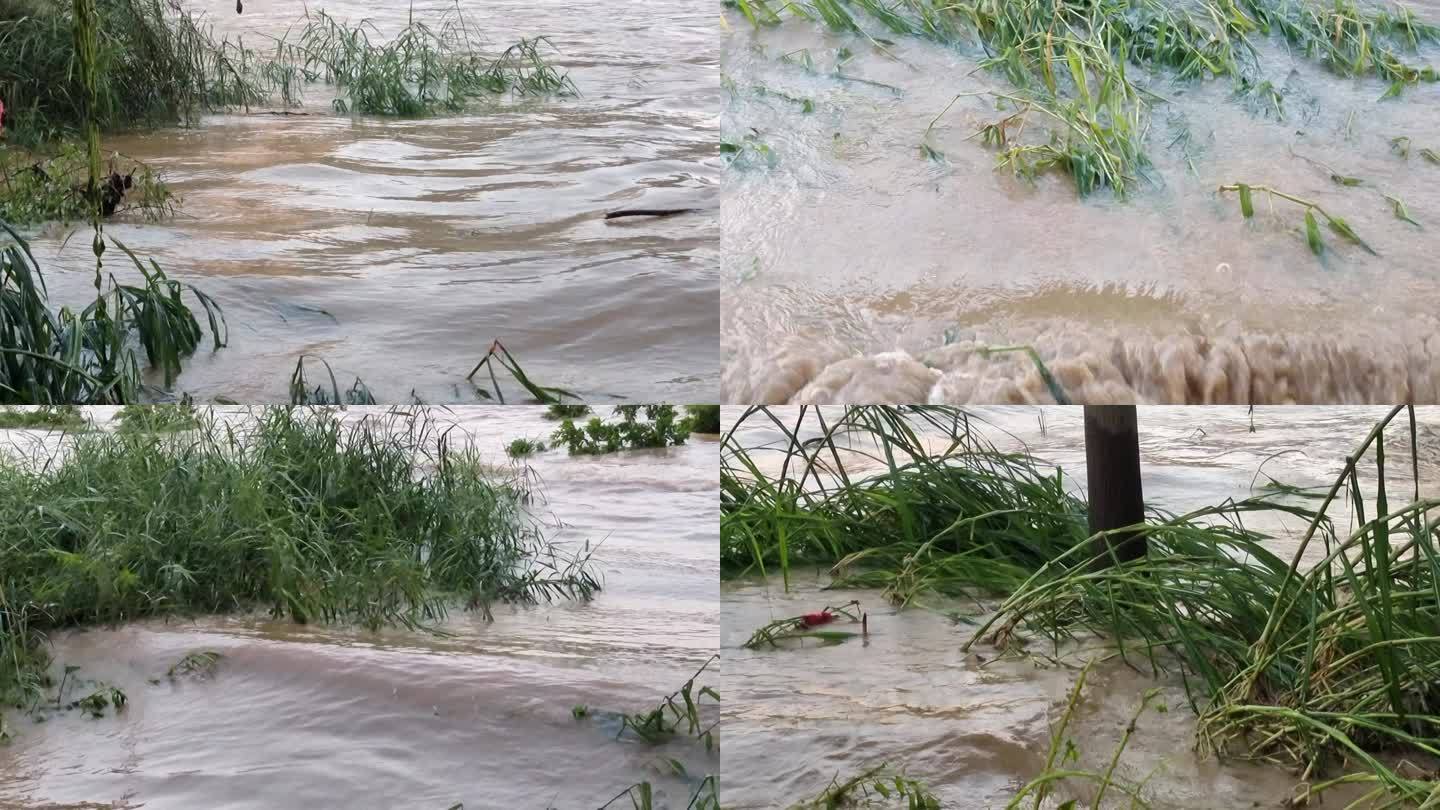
(1313, 237)
(661, 427)
(201, 664)
(61, 417)
(558, 411)
(40, 187)
(681, 712)
(158, 418)
(878, 786)
(1325, 666)
(498, 355)
(385, 519)
(523, 447)
(702, 419)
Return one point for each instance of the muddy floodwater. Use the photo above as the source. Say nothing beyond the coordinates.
(398, 249)
(317, 716)
(859, 269)
(973, 727)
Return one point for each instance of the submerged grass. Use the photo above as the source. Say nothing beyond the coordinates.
(1330, 669)
(661, 427)
(879, 786)
(912, 500)
(93, 356)
(61, 417)
(1077, 67)
(385, 519)
(161, 64)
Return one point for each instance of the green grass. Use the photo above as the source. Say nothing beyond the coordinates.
(868, 496)
(877, 786)
(661, 427)
(524, 448)
(49, 185)
(94, 356)
(159, 65)
(385, 519)
(1331, 670)
(1080, 103)
(703, 418)
(158, 418)
(558, 411)
(60, 417)
(681, 713)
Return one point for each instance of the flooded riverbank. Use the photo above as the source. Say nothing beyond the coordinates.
(397, 249)
(975, 725)
(480, 713)
(859, 269)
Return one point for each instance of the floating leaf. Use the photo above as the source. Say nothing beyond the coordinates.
(1342, 180)
(1247, 204)
(1401, 212)
(1312, 233)
(929, 152)
(1431, 155)
(1343, 228)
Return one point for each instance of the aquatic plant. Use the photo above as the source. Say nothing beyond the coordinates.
(162, 64)
(418, 71)
(1064, 752)
(44, 187)
(702, 419)
(558, 411)
(158, 418)
(1317, 667)
(302, 393)
(878, 786)
(680, 712)
(1069, 62)
(385, 519)
(199, 664)
(497, 354)
(91, 356)
(523, 447)
(1312, 226)
(660, 428)
(887, 505)
(61, 417)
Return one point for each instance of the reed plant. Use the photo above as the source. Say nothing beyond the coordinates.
(1330, 669)
(384, 519)
(911, 500)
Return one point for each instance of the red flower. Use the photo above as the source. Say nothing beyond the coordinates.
(812, 619)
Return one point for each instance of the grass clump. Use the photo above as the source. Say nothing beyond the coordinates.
(661, 427)
(885, 506)
(679, 713)
(59, 417)
(419, 71)
(201, 664)
(40, 187)
(523, 447)
(160, 64)
(382, 520)
(1079, 105)
(93, 356)
(558, 411)
(1330, 670)
(158, 418)
(879, 786)
(703, 418)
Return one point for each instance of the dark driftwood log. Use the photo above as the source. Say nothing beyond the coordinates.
(1112, 465)
(649, 212)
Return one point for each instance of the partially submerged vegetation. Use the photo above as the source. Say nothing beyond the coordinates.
(162, 65)
(661, 427)
(381, 520)
(62, 417)
(1083, 79)
(1328, 669)
(878, 786)
(50, 185)
(57, 356)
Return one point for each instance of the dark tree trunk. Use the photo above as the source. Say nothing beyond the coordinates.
(1112, 465)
